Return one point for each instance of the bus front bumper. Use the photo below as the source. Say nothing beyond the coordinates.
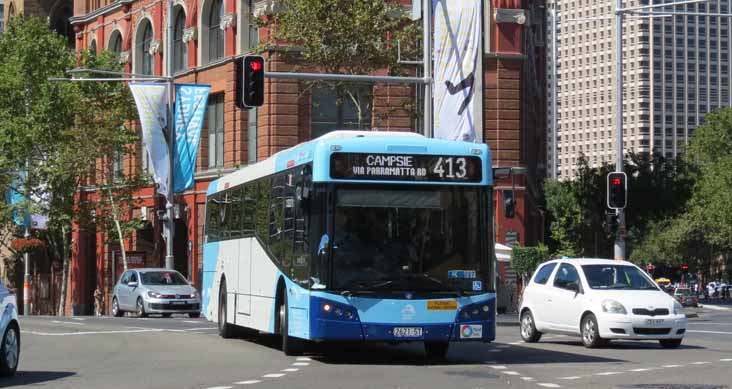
(325, 329)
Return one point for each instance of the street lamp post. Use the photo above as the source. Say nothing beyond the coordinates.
(170, 217)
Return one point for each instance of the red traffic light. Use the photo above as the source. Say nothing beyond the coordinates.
(616, 182)
(684, 267)
(650, 267)
(256, 65)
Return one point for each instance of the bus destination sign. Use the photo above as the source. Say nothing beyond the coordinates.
(405, 167)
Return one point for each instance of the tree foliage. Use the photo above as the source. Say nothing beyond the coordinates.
(62, 135)
(344, 37)
(524, 260)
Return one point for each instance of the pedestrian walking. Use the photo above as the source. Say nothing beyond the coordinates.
(98, 301)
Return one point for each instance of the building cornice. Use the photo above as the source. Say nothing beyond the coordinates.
(109, 8)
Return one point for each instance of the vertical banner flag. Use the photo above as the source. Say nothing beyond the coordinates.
(151, 100)
(190, 108)
(457, 40)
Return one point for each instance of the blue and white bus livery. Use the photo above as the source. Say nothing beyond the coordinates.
(370, 236)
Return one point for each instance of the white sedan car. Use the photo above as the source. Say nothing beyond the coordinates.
(599, 300)
(10, 330)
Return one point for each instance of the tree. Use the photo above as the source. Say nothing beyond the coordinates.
(63, 134)
(524, 260)
(344, 36)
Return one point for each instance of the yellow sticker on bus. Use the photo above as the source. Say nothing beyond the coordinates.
(442, 305)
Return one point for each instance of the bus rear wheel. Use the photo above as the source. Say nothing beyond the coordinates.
(290, 345)
(226, 330)
(436, 351)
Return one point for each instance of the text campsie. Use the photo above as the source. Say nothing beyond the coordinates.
(389, 165)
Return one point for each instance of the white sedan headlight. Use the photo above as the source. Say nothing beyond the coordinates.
(678, 309)
(612, 306)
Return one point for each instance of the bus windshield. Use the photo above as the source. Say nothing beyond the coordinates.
(423, 239)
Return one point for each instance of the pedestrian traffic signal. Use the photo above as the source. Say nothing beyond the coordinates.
(684, 267)
(650, 267)
(617, 190)
(251, 89)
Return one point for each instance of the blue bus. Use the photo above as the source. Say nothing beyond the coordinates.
(355, 236)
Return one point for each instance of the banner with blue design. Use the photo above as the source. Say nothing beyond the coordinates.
(190, 110)
(14, 198)
(152, 101)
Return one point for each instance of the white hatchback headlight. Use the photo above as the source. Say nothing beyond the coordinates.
(612, 306)
(678, 309)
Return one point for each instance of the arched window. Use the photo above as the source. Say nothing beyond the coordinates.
(115, 42)
(180, 51)
(143, 58)
(215, 34)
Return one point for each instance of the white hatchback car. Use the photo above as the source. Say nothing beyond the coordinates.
(599, 300)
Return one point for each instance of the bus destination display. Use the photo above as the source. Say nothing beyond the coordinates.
(405, 167)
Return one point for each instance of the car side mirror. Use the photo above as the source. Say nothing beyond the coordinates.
(574, 286)
(132, 284)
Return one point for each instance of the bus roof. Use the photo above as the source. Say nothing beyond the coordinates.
(318, 151)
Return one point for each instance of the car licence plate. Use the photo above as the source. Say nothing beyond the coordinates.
(178, 303)
(407, 332)
(654, 321)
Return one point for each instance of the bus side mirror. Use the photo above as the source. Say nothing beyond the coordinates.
(323, 246)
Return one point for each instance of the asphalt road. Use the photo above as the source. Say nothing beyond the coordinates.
(88, 352)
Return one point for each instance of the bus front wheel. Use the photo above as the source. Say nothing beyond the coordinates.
(290, 345)
(436, 351)
(226, 330)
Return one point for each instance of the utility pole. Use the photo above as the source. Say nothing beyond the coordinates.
(427, 65)
(555, 83)
(169, 216)
(620, 233)
(26, 255)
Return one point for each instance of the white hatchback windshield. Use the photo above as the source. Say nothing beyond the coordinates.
(616, 277)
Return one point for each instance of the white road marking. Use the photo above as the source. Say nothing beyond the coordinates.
(499, 367)
(515, 343)
(608, 373)
(304, 359)
(726, 360)
(89, 332)
(220, 387)
(191, 321)
(700, 363)
(67, 322)
(547, 385)
(200, 328)
(78, 318)
(576, 377)
(503, 346)
(670, 366)
(511, 372)
(300, 364)
(275, 375)
(290, 370)
(250, 382)
(527, 378)
(710, 324)
(710, 332)
(641, 369)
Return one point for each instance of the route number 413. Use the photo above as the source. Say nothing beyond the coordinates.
(450, 167)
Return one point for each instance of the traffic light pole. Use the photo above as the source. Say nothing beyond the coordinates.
(620, 232)
(169, 216)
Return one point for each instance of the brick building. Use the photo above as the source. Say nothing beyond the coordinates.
(208, 35)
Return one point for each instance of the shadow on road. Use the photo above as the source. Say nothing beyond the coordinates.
(459, 354)
(623, 345)
(34, 377)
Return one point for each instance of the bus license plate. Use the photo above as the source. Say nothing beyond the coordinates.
(654, 321)
(407, 332)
